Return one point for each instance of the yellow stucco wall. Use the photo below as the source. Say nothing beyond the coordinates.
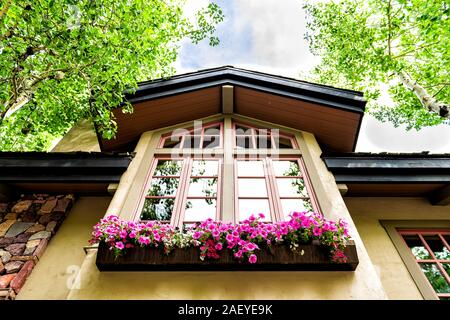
(81, 137)
(367, 212)
(64, 255)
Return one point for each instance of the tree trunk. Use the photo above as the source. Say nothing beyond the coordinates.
(427, 101)
(21, 100)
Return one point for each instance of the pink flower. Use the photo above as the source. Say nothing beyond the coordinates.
(119, 245)
(252, 258)
(218, 246)
(123, 234)
(132, 234)
(156, 236)
(197, 235)
(261, 215)
(215, 233)
(144, 240)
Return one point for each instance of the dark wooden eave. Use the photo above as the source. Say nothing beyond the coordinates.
(80, 172)
(333, 115)
(391, 174)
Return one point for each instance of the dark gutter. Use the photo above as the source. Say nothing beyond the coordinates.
(86, 167)
(389, 168)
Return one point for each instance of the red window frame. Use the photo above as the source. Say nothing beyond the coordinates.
(438, 262)
(254, 135)
(181, 195)
(273, 194)
(191, 132)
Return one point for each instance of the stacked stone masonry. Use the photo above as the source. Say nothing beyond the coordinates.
(26, 227)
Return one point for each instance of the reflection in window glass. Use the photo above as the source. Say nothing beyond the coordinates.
(158, 209)
(437, 246)
(435, 277)
(286, 168)
(168, 168)
(163, 187)
(291, 187)
(243, 131)
(282, 142)
(298, 205)
(210, 142)
(212, 131)
(244, 142)
(252, 188)
(203, 187)
(191, 142)
(172, 142)
(247, 207)
(250, 168)
(446, 267)
(200, 209)
(205, 168)
(417, 247)
(263, 142)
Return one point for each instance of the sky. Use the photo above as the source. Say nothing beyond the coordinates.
(267, 36)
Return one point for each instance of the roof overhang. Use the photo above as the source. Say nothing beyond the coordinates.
(333, 115)
(368, 174)
(80, 172)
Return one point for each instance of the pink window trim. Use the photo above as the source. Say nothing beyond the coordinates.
(254, 135)
(183, 187)
(272, 188)
(201, 135)
(420, 233)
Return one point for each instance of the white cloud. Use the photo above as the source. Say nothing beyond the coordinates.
(267, 36)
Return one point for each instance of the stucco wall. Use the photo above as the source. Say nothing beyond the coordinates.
(81, 137)
(62, 260)
(367, 212)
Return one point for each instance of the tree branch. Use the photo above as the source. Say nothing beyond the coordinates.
(427, 101)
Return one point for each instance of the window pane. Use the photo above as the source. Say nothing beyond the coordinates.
(417, 248)
(168, 168)
(172, 142)
(158, 209)
(212, 131)
(252, 188)
(283, 142)
(205, 168)
(263, 142)
(437, 246)
(286, 168)
(250, 168)
(191, 142)
(200, 209)
(247, 207)
(210, 142)
(163, 187)
(291, 187)
(446, 267)
(435, 277)
(298, 205)
(243, 131)
(203, 187)
(244, 142)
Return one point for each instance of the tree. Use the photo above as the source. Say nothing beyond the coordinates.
(401, 44)
(62, 61)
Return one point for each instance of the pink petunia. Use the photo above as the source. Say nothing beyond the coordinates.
(252, 258)
(119, 245)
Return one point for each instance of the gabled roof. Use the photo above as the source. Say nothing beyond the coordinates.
(333, 115)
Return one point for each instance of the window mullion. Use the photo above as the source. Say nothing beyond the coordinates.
(274, 198)
(182, 192)
(228, 185)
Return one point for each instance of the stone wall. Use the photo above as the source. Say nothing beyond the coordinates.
(26, 227)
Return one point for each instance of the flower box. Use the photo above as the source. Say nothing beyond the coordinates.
(279, 257)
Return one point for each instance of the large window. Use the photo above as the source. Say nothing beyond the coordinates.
(187, 182)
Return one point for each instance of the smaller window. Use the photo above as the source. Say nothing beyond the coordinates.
(207, 137)
(248, 137)
(431, 251)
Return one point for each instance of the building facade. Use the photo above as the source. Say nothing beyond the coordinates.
(225, 143)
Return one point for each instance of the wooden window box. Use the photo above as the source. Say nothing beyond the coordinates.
(279, 258)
